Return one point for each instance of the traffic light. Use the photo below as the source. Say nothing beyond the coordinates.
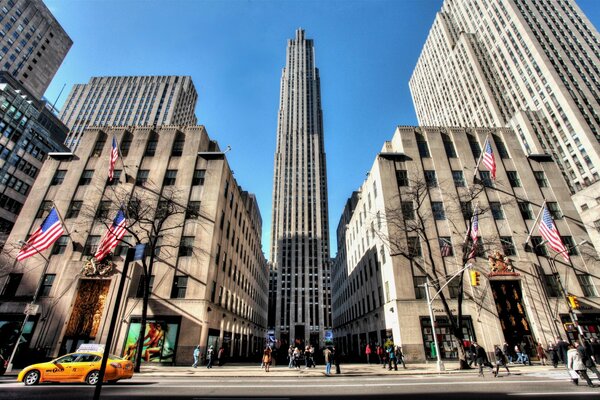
(474, 278)
(573, 302)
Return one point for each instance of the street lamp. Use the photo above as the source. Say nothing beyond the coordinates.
(28, 310)
(562, 288)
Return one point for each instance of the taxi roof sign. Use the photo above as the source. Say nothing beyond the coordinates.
(95, 347)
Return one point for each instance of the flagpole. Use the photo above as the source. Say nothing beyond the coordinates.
(62, 221)
(480, 158)
(535, 223)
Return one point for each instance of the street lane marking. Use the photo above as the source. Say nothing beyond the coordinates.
(554, 394)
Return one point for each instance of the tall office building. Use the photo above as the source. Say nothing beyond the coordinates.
(531, 66)
(300, 231)
(129, 101)
(32, 44)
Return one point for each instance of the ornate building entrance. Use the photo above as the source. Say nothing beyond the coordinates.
(513, 318)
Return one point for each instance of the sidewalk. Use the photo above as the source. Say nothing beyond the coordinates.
(254, 370)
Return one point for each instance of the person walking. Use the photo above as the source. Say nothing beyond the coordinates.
(595, 350)
(575, 363)
(368, 353)
(221, 356)
(327, 356)
(541, 353)
(379, 351)
(266, 359)
(400, 356)
(553, 352)
(481, 359)
(391, 354)
(562, 347)
(472, 354)
(500, 361)
(297, 355)
(209, 357)
(585, 351)
(196, 356)
(291, 357)
(507, 352)
(308, 356)
(337, 360)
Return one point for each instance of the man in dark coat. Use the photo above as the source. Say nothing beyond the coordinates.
(480, 358)
(585, 351)
(596, 350)
(562, 347)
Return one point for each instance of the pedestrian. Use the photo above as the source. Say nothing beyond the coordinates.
(481, 358)
(327, 356)
(526, 353)
(472, 354)
(507, 352)
(221, 356)
(337, 359)
(585, 351)
(266, 359)
(196, 356)
(519, 355)
(596, 350)
(392, 358)
(368, 353)
(552, 354)
(562, 347)
(379, 351)
(541, 353)
(297, 355)
(308, 359)
(400, 356)
(575, 363)
(209, 357)
(501, 361)
(291, 357)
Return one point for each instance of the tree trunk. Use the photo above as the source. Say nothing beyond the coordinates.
(462, 354)
(140, 346)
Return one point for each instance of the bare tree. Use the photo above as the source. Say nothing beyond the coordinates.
(154, 217)
(413, 224)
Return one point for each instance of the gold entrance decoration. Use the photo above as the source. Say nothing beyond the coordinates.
(87, 310)
(93, 268)
(500, 265)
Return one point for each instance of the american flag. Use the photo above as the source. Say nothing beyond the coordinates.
(113, 236)
(488, 158)
(445, 247)
(550, 234)
(474, 232)
(42, 238)
(114, 155)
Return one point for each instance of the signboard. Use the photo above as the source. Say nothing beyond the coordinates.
(31, 309)
(328, 336)
(95, 347)
(140, 251)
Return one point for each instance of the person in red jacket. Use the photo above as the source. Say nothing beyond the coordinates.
(379, 351)
(368, 353)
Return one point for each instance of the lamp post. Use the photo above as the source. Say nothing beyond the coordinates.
(28, 310)
(562, 288)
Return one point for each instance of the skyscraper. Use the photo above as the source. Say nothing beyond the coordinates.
(32, 44)
(129, 101)
(532, 66)
(300, 230)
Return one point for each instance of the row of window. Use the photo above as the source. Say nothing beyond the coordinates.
(141, 179)
(458, 178)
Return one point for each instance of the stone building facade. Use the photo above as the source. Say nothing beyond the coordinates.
(209, 280)
(379, 294)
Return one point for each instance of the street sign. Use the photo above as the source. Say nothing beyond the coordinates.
(31, 309)
(140, 251)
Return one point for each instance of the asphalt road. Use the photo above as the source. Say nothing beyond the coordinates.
(540, 385)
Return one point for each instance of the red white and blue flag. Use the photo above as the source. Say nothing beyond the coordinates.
(114, 155)
(113, 236)
(488, 158)
(474, 232)
(43, 237)
(550, 234)
(446, 247)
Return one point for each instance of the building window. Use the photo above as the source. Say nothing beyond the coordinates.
(186, 246)
(419, 281)
(459, 178)
(86, 177)
(170, 177)
(178, 145)
(60, 245)
(448, 146)
(12, 284)
(422, 146)
(193, 210)
(540, 178)
(44, 209)
(91, 245)
(402, 177)
(140, 290)
(121, 248)
(513, 178)
(554, 210)
(539, 248)
(486, 178)
(474, 144)
(414, 246)
(496, 209)
(46, 285)
(59, 177)
(116, 178)
(198, 179)
(408, 212)
(125, 145)
(587, 285)
(525, 209)
(151, 146)
(446, 249)
(467, 209)
(179, 287)
(570, 245)
(98, 147)
(103, 209)
(430, 178)
(508, 247)
(501, 147)
(454, 288)
(74, 209)
(142, 177)
(437, 208)
(551, 284)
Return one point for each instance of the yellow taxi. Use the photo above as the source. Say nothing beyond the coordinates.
(81, 366)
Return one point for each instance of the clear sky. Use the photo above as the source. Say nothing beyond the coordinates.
(234, 51)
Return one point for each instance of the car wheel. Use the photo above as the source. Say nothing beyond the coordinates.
(32, 378)
(92, 377)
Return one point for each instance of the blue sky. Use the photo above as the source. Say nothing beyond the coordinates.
(234, 51)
